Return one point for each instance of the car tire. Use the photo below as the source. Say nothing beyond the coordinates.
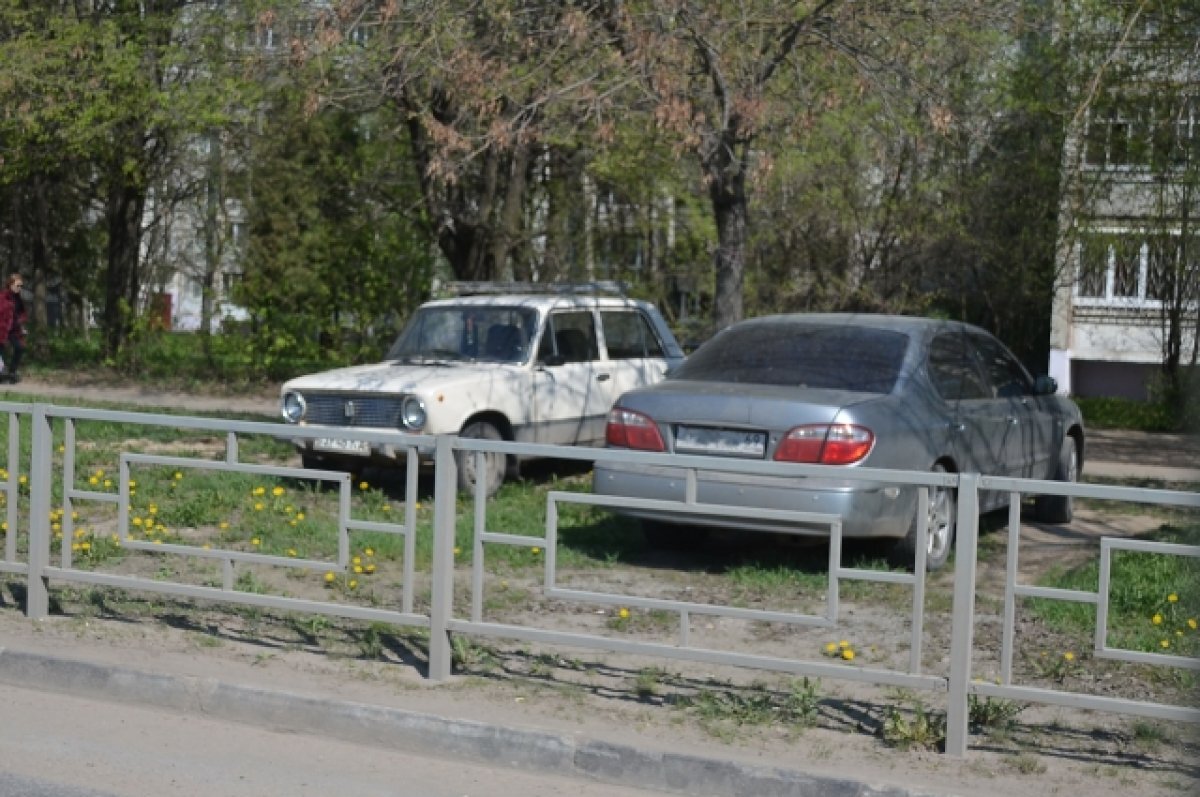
(664, 536)
(940, 539)
(1060, 508)
(495, 465)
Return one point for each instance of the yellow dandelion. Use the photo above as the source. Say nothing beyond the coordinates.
(844, 644)
(387, 507)
(353, 584)
(137, 521)
(364, 486)
(259, 491)
(93, 481)
(292, 522)
(1192, 623)
(369, 552)
(418, 505)
(132, 484)
(4, 526)
(79, 534)
(1156, 619)
(356, 560)
(107, 482)
(258, 507)
(74, 516)
(623, 614)
(299, 516)
(1166, 643)
(457, 550)
(848, 654)
(1172, 598)
(1178, 633)
(152, 509)
(831, 647)
(358, 569)
(223, 525)
(370, 568)
(23, 479)
(256, 541)
(178, 475)
(536, 550)
(291, 552)
(1069, 656)
(158, 542)
(61, 448)
(99, 473)
(74, 546)
(329, 577)
(278, 491)
(85, 546)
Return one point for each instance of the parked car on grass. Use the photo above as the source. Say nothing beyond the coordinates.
(846, 391)
(535, 364)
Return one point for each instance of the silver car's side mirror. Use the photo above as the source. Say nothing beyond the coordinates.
(1045, 385)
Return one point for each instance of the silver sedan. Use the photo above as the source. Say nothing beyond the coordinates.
(891, 392)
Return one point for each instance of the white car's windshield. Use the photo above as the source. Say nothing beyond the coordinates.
(466, 332)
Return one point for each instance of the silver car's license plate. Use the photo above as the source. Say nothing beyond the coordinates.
(358, 447)
(725, 442)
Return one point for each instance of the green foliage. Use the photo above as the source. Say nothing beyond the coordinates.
(915, 729)
(992, 713)
(1119, 413)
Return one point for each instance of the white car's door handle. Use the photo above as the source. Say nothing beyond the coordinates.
(602, 377)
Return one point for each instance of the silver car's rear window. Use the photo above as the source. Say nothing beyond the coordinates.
(800, 355)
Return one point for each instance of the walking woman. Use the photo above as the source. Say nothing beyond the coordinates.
(12, 328)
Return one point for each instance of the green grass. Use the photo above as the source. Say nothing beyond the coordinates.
(1154, 599)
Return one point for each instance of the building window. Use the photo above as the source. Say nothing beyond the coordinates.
(1135, 268)
(1142, 132)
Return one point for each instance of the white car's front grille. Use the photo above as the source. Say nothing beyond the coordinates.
(354, 410)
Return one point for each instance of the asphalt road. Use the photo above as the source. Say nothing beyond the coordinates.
(54, 745)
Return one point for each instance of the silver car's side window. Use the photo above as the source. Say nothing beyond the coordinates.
(953, 371)
(1009, 378)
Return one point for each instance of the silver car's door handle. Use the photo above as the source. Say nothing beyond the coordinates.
(602, 377)
(1013, 421)
(957, 427)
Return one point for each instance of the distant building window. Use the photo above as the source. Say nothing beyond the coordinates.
(1142, 132)
(1137, 268)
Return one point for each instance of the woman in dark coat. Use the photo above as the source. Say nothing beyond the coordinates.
(12, 328)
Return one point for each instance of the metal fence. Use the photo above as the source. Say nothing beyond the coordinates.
(52, 477)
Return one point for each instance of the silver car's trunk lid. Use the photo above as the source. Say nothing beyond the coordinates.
(740, 406)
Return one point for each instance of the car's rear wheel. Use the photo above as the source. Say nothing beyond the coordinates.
(494, 464)
(939, 540)
(1060, 508)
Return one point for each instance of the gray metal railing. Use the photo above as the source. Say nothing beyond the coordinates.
(445, 618)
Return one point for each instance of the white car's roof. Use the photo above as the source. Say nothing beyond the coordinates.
(540, 301)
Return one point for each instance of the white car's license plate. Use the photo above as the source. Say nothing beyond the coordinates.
(727, 442)
(358, 447)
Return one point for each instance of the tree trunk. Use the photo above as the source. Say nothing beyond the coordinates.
(123, 216)
(728, 194)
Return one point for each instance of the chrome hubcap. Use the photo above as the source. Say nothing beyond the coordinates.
(938, 537)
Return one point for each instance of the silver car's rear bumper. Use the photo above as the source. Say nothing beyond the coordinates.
(867, 509)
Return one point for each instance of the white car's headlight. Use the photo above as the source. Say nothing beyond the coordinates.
(292, 407)
(412, 414)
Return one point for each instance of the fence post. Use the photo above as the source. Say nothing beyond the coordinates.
(445, 490)
(37, 601)
(963, 622)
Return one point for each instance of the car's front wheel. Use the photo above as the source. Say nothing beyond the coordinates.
(939, 539)
(1060, 508)
(494, 464)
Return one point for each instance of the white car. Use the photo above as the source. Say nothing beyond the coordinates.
(522, 366)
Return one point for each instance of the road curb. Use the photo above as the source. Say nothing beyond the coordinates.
(540, 751)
